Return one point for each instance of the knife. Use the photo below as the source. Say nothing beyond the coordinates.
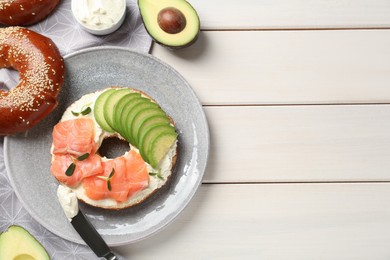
(93, 239)
(81, 224)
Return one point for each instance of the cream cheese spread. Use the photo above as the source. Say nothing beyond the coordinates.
(98, 14)
(68, 201)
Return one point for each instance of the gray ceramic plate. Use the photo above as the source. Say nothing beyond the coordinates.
(27, 155)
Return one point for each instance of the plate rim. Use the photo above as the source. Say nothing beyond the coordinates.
(175, 214)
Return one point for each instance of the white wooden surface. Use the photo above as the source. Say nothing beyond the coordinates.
(287, 67)
(292, 14)
(299, 119)
(299, 143)
(252, 221)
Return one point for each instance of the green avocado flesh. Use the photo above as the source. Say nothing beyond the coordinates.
(140, 117)
(139, 120)
(130, 118)
(173, 23)
(17, 243)
(150, 135)
(120, 107)
(99, 110)
(110, 105)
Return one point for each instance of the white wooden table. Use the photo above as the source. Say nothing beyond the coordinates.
(297, 95)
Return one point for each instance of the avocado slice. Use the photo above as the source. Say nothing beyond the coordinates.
(139, 107)
(171, 23)
(17, 243)
(160, 146)
(126, 113)
(150, 135)
(99, 109)
(141, 117)
(110, 104)
(119, 109)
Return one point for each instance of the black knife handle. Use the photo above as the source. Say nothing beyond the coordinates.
(93, 239)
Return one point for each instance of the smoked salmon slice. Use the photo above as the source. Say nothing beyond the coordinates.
(129, 175)
(137, 174)
(102, 186)
(117, 178)
(88, 167)
(75, 137)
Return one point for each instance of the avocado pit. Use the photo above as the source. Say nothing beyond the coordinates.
(171, 20)
(172, 23)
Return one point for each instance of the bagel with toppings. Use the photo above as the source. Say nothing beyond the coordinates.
(41, 73)
(129, 179)
(25, 12)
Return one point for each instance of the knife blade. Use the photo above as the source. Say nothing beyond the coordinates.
(69, 203)
(91, 237)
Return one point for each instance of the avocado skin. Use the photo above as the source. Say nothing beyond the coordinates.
(17, 241)
(171, 47)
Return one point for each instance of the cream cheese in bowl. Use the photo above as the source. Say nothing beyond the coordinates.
(99, 17)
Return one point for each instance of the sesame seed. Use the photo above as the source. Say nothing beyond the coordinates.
(36, 82)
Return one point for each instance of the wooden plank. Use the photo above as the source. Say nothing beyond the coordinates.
(339, 221)
(286, 67)
(292, 14)
(298, 143)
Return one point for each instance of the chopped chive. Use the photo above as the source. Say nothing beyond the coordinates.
(160, 177)
(152, 173)
(82, 157)
(70, 170)
(109, 185)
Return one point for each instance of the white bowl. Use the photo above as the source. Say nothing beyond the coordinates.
(76, 11)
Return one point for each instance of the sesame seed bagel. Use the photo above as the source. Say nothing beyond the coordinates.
(25, 12)
(41, 73)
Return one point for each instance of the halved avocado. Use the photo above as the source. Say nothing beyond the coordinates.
(17, 243)
(172, 23)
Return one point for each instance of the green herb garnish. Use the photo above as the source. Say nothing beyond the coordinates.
(109, 179)
(70, 170)
(157, 174)
(84, 111)
(83, 157)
